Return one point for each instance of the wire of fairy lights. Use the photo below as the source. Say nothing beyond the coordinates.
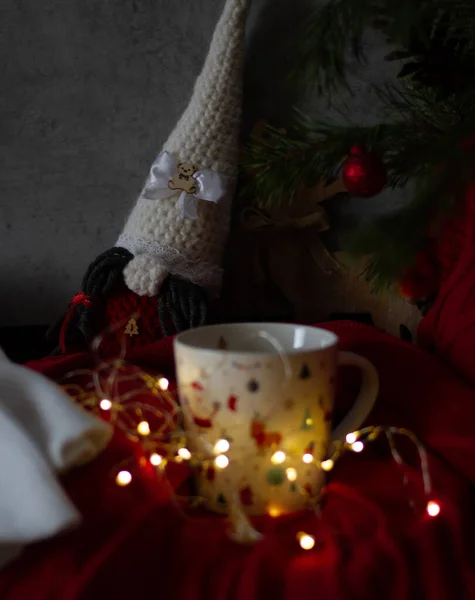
(169, 442)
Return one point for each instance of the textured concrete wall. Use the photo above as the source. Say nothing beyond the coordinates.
(89, 91)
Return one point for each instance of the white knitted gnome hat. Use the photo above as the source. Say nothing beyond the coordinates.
(180, 222)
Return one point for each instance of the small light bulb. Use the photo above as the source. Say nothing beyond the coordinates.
(357, 446)
(278, 457)
(351, 438)
(327, 465)
(123, 478)
(309, 422)
(291, 474)
(307, 542)
(156, 459)
(221, 461)
(163, 384)
(307, 458)
(433, 508)
(143, 428)
(184, 453)
(274, 511)
(105, 404)
(221, 446)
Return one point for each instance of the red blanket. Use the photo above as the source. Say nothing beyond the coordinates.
(448, 329)
(135, 542)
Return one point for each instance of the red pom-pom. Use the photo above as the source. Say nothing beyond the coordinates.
(414, 289)
(363, 172)
(421, 281)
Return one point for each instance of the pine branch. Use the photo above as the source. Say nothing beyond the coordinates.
(400, 20)
(321, 47)
(460, 30)
(421, 106)
(281, 163)
(335, 31)
(411, 145)
(423, 138)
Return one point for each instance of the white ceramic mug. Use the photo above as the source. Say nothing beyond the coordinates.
(267, 390)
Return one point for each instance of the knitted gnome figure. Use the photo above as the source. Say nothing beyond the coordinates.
(166, 266)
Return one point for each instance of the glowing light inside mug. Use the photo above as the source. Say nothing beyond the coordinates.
(291, 474)
(274, 511)
(221, 446)
(278, 457)
(221, 461)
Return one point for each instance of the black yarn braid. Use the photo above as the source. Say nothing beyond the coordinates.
(98, 282)
(182, 305)
(101, 276)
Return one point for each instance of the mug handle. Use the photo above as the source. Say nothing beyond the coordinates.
(366, 398)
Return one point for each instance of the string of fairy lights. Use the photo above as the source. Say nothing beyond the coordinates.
(168, 442)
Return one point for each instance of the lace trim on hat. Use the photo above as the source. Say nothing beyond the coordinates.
(197, 271)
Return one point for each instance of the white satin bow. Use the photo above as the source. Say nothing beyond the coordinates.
(212, 186)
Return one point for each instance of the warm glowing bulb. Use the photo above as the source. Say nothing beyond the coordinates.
(357, 446)
(291, 474)
(307, 458)
(105, 404)
(433, 508)
(221, 446)
(143, 428)
(307, 542)
(163, 384)
(309, 422)
(327, 465)
(278, 457)
(351, 438)
(184, 453)
(274, 511)
(156, 459)
(221, 461)
(123, 478)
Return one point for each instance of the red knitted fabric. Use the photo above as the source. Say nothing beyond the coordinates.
(134, 542)
(123, 306)
(450, 242)
(449, 328)
(434, 264)
(452, 239)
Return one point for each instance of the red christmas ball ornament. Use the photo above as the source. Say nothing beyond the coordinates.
(363, 172)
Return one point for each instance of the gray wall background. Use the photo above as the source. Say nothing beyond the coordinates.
(89, 91)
